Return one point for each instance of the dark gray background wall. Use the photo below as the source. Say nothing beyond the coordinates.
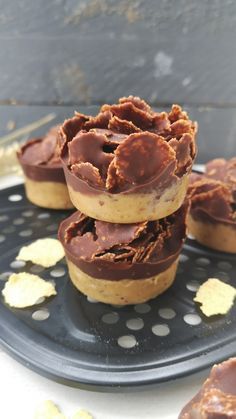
(73, 52)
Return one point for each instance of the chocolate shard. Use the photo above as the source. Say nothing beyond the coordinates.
(180, 127)
(184, 153)
(88, 172)
(142, 156)
(121, 125)
(99, 121)
(136, 101)
(71, 127)
(128, 111)
(161, 124)
(88, 147)
(111, 234)
(217, 397)
(177, 113)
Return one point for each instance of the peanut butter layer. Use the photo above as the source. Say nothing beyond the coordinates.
(213, 194)
(217, 397)
(127, 148)
(120, 251)
(39, 158)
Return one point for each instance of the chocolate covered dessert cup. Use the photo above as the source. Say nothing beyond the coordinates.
(212, 216)
(123, 263)
(217, 397)
(128, 164)
(45, 183)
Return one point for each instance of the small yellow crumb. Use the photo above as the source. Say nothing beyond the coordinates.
(48, 410)
(45, 252)
(24, 290)
(215, 296)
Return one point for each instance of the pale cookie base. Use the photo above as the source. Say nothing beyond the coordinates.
(131, 208)
(48, 194)
(216, 236)
(125, 291)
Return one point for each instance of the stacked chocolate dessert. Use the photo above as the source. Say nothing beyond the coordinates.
(127, 173)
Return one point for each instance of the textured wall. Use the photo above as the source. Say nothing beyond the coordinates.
(73, 51)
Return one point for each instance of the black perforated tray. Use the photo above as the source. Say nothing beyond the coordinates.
(103, 347)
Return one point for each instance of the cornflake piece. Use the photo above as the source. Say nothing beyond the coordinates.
(82, 414)
(24, 290)
(48, 410)
(45, 252)
(215, 296)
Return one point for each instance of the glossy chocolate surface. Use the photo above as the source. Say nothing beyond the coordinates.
(127, 148)
(217, 397)
(213, 194)
(123, 251)
(39, 158)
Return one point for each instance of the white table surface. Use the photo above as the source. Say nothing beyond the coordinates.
(21, 390)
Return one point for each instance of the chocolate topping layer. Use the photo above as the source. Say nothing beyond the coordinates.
(213, 194)
(217, 397)
(40, 160)
(123, 251)
(128, 148)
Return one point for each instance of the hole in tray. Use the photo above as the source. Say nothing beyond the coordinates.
(28, 213)
(52, 227)
(36, 269)
(167, 313)
(135, 324)
(92, 300)
(43, 215)
(40, 315)
(199, 273)
(17, 264)
(183, 258)
(203, 261)
(192, 319)
(5, 275)
(226, 266)
(58, 272)
(18, 221)
(2, 238)
(223, 276)
(127, 341)
(161, 329)
(192, 286)
(142, 308)
(15, 198)
(110, 318)
(26, 233)
(9, 229)
(4, 218)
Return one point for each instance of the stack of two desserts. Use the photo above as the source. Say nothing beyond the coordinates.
(127, 173)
